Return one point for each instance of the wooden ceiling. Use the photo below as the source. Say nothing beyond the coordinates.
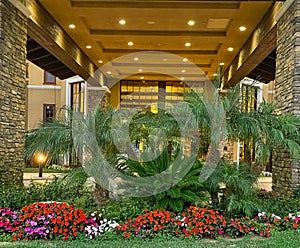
(158, 25)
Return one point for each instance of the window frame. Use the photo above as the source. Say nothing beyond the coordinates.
(45, 78)
(45, 105)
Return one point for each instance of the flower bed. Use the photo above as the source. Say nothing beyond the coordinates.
(53, 220)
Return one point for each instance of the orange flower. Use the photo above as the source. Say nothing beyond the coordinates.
(295, 225)
(14, 237)
(126, 235)
(155, 228)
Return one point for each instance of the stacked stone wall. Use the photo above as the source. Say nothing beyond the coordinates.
(13, 35)
(286, 170)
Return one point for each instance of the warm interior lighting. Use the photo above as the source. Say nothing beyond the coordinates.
(230, 49)
(242, 28)
(141, 77)
(130, 43)
(185, 60)
(187, 44)
(100, 61)
(191, 22)
(136, 59)
(88, 47)
(140, 70)
(221, 63)
(108, 72)
(122, 22)
(183, 71)
(72, 26)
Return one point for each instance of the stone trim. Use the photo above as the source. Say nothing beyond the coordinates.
(285, 6)
(20, 6)
(44, 87)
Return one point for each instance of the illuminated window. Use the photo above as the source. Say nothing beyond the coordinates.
(77, 97)
(49, 78)
(48, 112)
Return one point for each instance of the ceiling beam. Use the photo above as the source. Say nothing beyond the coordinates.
(259, 45)
(116, 64)
(44, 29)
(158, 33)
(191, 52)
(157, 4)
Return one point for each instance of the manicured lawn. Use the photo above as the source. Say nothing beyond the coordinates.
(287, 239)
(45, 170)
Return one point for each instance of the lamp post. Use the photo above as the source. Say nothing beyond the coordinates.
(41, 159)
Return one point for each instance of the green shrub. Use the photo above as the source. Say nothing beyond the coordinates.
(126, 209)
(59, 190)
(282, 206)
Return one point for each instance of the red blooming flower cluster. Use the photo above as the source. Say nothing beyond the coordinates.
(49, 220)
(202, 222)
(199, 222)
(148, 225)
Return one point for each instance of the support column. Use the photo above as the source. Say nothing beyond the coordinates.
(13, 35)
(286, 170)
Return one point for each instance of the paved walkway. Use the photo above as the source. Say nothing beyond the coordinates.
(29, 177)
(263, 182)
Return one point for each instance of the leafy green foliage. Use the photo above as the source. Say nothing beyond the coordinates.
(282, 206)
(60, 190)
(239, 195)
(186, 190)
(126, 209)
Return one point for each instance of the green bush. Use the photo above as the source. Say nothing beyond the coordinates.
(283, 206)
(126, 209)
(59, 190)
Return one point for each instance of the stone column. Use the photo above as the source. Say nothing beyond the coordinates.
(13, 36)
(286, 170)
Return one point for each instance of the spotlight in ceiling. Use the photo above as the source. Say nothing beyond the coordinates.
(191, 23)
(242, 28)
(122, 22)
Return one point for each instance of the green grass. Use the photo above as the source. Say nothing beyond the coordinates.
(45, 170)
(287, 239)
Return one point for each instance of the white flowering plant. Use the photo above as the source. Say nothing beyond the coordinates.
(96, 225)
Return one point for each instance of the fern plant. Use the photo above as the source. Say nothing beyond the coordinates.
(181, 192)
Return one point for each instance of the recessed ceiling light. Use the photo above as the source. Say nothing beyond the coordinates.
(191, 22)
(185, 60)
(108, 72)
(140, 70)
(122, 22)
(72, 26)
(136, 59)
(141, 77)
(100, 61)
(221, 63)
(130, 43)
(230, 49)
(215, 74)
(165, 59)
(183, 71)
(88, 47)
(182, 78)
(242, 28)
(151, 22)
(187, 44)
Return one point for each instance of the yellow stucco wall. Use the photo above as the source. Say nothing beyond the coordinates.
(39, 94)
